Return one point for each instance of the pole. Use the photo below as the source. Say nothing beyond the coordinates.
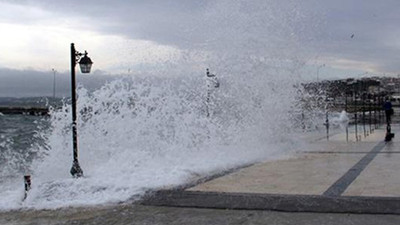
(370, 116)
(208, 103)
(355, 114)
(345, 107)
(76, 170)
(208, 93)
(362, 98)
(319, 67)
(375, 105)
(54, 83)
(212, 83)
(345, 101)
(363, 114)
(327, 126)
(379, 111)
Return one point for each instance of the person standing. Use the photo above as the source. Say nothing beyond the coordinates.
(387, 106)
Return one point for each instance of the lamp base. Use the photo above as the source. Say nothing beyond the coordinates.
(76, 170)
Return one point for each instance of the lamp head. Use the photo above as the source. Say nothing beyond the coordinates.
(85, 63)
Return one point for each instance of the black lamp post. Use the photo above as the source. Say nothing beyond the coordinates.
(85, 64)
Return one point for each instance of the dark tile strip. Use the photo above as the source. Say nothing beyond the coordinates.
(344, 182)
(349, 152)
(287, 203)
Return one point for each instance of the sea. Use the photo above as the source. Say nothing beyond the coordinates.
(19, 137)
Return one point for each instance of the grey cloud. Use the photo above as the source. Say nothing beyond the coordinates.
(189, 23)
(373, 23)
(247, 27)
(160, 21)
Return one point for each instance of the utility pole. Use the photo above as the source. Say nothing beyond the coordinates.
(54, 83)
(319, 67)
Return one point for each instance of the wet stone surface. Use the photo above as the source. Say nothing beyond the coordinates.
(137, 214)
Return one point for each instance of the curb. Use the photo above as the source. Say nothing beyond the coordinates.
(275, 202)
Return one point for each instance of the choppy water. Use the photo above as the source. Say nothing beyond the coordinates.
(21, 136)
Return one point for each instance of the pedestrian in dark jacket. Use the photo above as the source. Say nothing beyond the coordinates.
(387, 106)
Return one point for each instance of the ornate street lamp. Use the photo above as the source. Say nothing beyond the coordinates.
(85, 64)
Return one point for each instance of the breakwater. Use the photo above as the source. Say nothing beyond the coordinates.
(24, 110)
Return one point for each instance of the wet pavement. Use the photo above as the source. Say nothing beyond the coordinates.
(335, 181)
(339, 175)
(371, 165)
(151, 215)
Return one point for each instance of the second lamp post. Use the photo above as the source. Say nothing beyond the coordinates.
(85, 64)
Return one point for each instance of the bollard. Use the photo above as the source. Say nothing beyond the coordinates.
(389, 135)
(27, 182)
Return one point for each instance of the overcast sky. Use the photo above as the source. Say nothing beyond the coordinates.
(349, 37)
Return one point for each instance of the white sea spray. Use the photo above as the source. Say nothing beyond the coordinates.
(151, 130)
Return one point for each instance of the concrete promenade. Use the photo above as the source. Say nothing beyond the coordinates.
(335, 176)
(329, 182)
